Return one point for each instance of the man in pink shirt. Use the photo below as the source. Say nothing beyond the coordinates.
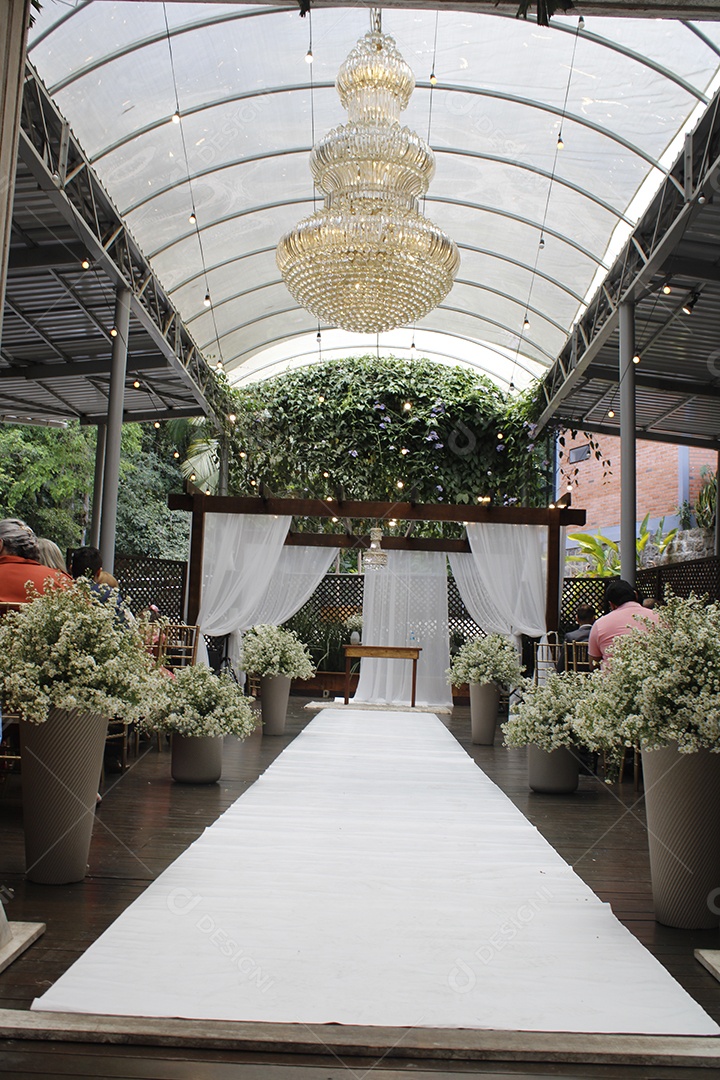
(625, 614)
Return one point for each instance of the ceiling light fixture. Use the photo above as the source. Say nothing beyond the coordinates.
(689, 305)
(369, 261)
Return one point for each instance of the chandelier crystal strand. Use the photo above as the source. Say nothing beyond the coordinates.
(369, 261)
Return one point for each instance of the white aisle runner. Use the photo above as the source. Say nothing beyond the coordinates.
(375, 876)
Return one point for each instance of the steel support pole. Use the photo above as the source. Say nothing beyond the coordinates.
(628, 485)
(111, 476)
(14, 15)
(96, 517)
(224, 455)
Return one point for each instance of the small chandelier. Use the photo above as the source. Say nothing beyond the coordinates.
(375, 557)
(369, 261)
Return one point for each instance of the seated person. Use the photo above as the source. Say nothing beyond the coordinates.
(625, 614)
(584, 617)
(50, 554)
(87, 562)
(20, 563)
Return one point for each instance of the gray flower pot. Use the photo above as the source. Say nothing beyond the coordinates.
(682, 803)
(61, 763)
(274, 697)
(484, 705)
(552, 772)
(197, 759)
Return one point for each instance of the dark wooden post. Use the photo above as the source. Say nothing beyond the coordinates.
(197, 544)
(552, 598)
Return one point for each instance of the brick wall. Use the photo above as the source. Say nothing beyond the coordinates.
(657, 467)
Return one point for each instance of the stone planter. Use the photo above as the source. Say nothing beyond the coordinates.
(554, 772)
(196, 759)
(61, 763)
(484, 705)
(682, 803)
(274, 696)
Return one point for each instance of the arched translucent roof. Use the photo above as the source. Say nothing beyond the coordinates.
(622, 93)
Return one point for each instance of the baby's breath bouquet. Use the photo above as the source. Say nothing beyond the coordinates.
(661, 685)
(197, 702)
(72, 649)
(354, 622)
(484, 660)
(272, 650)
(545, 715)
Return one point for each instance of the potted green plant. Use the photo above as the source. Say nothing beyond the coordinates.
(69, 660)
(544, 722)
(198, 708)
(486, 664)
(660, 691)
(277, 656)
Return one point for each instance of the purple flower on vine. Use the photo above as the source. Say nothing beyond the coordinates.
(353, 453)
(500, 446)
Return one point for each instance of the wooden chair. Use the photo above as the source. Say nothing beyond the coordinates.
(546, 653)
(577, 657)
(177, 645)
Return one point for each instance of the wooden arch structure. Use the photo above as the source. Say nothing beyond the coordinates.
(198, 504)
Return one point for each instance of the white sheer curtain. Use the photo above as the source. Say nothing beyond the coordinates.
(405, 603)
(502, 583)
(297, 575)
(241, 552)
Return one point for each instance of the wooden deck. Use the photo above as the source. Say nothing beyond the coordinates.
(146, 821)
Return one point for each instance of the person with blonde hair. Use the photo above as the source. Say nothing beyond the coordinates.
(49, 554)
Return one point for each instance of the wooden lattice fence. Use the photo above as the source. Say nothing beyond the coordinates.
(153, 581)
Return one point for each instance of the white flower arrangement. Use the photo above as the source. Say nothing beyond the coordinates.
(661, 685)
(354, 622)
(71, 649)
(272, 650)
(493, 658)
(197, 702)
(545, 716)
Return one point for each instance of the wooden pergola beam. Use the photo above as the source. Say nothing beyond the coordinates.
(199, 505)
(402, 511)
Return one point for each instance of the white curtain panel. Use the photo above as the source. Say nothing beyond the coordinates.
(297, 575)
(241, 552)
(510, 563)
(405, 603)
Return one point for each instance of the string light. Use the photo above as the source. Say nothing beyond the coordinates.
(433, 78)
(611, 413)
(636, 358)
(192, 219)
(176, 455)
(175, 117)
(136, 384)
(667, 289)
(243, 454)
(407, 406)
(400, 484)
(560, 143)
(113, 331)
(404, 451)
(207, 301)
(689, 305)
(232, 417)
(192, 476)
(541, 244)
(309, 57)
(156, 424)
(526, 323)
(85, 264)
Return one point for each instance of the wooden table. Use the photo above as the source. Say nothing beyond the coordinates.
(388, 652)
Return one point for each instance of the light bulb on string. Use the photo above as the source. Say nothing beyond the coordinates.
(113, 331)
(175, 117)
(85, 264)
(192, 219)
(560, 143)
(309, 56)
(611, 413)
(433, 78)
(156, 424)
(541, 244)
(136, 384)
(667, 289)
(636, 358)
(176, 455)
(526, 323)
(207, 301)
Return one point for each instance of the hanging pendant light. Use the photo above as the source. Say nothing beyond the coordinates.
(369, 261)
(375, 557)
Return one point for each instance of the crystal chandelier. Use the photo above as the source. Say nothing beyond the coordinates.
(375, 557)
(369, 261)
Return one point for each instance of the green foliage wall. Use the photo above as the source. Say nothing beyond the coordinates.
(369, 425)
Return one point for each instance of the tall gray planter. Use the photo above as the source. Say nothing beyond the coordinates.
(682, 802)
(196, 759)
(61, 763)
(484, 705)
(274, 697)
(553, 772)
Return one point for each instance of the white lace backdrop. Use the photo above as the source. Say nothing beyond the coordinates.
(405, 603)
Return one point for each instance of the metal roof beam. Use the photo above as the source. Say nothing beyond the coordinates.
(45, 256)
(81, 369)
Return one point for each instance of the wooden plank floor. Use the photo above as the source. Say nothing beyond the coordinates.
(146, 821)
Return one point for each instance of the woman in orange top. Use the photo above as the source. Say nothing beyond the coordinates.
(19, 563)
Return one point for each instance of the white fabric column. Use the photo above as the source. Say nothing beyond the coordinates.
(297, 575)
(241, 553)
(405, 603)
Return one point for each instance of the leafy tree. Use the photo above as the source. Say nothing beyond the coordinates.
(148, 473)
(386, 429)
(46, 476)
